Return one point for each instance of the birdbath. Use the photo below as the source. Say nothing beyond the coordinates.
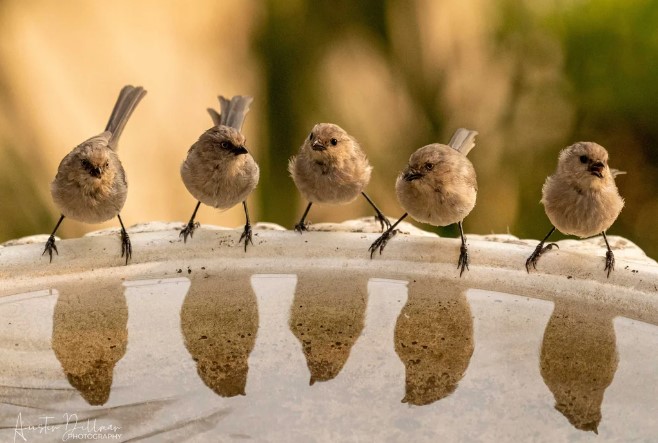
(306, 338)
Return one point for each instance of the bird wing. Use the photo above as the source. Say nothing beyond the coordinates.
(463, 140)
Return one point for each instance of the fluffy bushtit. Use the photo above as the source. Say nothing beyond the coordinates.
(90, 185)
(218, 170)
(331, 168)
(581, 198)
(438, 187)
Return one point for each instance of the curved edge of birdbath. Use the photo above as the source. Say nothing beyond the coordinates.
(497, 261)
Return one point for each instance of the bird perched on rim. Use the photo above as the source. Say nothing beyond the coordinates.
(438, 187)
(331, 168)
(90, 185)
(219, 171)
(581, 198)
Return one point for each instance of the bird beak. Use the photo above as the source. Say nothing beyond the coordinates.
(317, 146)
(411, 175)
(239, 150)
(96, 172)
(596, 168)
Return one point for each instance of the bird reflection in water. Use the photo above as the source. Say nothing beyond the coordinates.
(90, 335)
(219, 320)
(578, 361)
(327, 317)
(434, 339)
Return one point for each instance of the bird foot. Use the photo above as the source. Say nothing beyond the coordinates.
(246, 235)
(381, 242)
(463, 259)
(50, 247)
(301, 226)
(188, 230)
(609, 262)
(383, 221)
(539, 250)
(126, 246)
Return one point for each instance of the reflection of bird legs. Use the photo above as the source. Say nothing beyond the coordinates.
(50, 244)
(126, 247)
(191, 225)
(380, 217)
(246, 234)
(463, 254)
(302, 225)
(539, 250)
(385, 237)
(609, 257)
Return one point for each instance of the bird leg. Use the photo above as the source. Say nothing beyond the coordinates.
(50, 244)
(463, 254)
(539, 250)
(191, 225)
(385, 237)
(246, 234)
(126, 247)
(609, 257)
(379, 216)
(302, 225)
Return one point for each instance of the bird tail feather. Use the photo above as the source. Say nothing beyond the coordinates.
(216, 117)
(463, 140)
(128, 99)
(232, 112)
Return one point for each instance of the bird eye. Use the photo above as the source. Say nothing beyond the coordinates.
(310, 136)
(429, 166)
(334, 141)
(107, 164)
(85, 163)
(583, 159)
(224, 144)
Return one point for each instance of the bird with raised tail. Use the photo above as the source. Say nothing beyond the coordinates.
(581, 198)
(438, 187)
(90, 185)
(219, 171)
(331, 168)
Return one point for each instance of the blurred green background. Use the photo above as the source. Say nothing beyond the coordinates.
(531, 76)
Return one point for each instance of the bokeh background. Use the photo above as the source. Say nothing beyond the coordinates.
(531, 76)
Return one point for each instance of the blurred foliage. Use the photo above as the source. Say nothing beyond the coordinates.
(608, 54)
(22, 208)
(30, 215)
(294, 39)
(611, 61)
(531, 76)
(589, 68)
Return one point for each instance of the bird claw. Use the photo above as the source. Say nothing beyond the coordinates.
(246, 235)
(301, 227)
(126, 246)
(382, 241)
(383, 221)
(188, 230)
(463, 259)
(609, 262)
(539, 250)
(50, 247)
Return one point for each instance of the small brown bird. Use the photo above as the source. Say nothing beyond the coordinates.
(331, 168)
(438, 187)
(218, 170)
(581, 198)
(90, 185)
